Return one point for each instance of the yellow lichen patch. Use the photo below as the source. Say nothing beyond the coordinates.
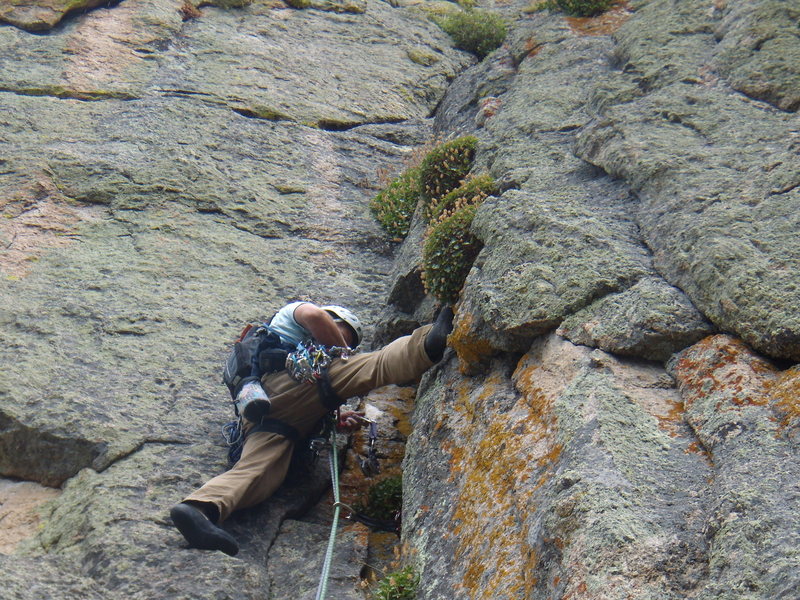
(472, 351)
(401, 410)
(785, 391)
(35, 219)
(499, 464)
(605, 23)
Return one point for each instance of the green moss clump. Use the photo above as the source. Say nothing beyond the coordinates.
(395, 205)
(444, 168)
(472, 191)
(476, 31)
(422, 57)
(384, 499)
(448, 254)
(578, 8)
(298, 3)
(400, 585)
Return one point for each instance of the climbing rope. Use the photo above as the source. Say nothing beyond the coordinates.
(326, 565)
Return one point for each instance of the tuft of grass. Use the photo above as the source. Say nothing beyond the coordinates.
(445, 167)
(399, 585)
(394, 206)
(472, 191)
(473, 30)
(448, 254)
(384, 499)
(577, 8)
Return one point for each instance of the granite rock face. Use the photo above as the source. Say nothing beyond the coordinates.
(542, 469)
(716, 172)
(651, 320)
(575, 477)
(744, 411)
(618, 414)
(163, 183)
(41, 15)
(760, 51)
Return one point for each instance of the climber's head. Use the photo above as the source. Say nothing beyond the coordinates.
(347, 322)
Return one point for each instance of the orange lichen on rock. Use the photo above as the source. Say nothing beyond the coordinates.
(472, 351)
(697, 448)
(727, 370)
(499, 462)
(189, 11)
(605, 23)
(726, 365)
(671, 419)
(532, 46)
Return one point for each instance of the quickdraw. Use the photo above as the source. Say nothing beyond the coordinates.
(309, 361)
(369, 463)
(389, 525)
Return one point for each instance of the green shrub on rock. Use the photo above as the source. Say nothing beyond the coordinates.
(476, 31)
(384, 499)
(395, 205)
(578, 8)
(445, 167)
(448, 254)
(471, 191)
(400, 585)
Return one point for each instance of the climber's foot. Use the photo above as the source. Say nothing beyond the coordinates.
(200, 532)
(436, 340)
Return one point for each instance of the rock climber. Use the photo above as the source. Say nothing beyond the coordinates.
(296, 407)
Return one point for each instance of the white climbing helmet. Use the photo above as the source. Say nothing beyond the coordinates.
(340, 313)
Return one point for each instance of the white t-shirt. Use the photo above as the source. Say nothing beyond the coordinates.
(284, 324)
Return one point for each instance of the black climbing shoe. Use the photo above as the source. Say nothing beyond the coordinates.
(436, 340)
(200, 532)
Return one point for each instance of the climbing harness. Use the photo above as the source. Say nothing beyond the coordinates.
(235, 435)
(309, 362)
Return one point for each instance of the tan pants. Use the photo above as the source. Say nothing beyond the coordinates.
(266, 456)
